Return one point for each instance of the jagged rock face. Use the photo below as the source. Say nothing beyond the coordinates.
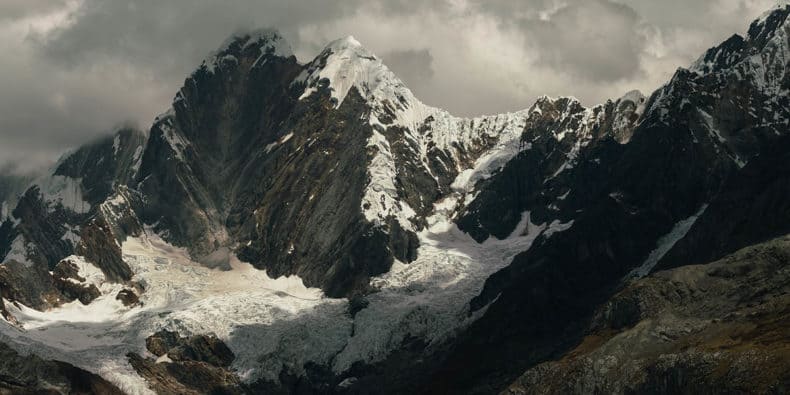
(194, 365)
(31, 285)
(193, 170)
(310, 222)
(188, 377)
(240, 160)
(64, 275)
(128, 297)
(104, 165)
(42, 231)
(46, 222)
(716, 328)
(34, 286)
(199, 348)
(566, 151)
(98, 246)
(57, 216)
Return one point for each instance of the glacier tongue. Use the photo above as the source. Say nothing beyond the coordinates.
(267, 323)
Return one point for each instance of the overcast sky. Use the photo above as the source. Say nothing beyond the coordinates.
(72, 70)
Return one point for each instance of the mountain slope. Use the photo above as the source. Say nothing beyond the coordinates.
(715, 328)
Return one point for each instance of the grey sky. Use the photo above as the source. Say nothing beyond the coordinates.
(74, 69)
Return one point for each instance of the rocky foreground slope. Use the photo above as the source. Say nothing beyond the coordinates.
(303, 228)
(723, 327)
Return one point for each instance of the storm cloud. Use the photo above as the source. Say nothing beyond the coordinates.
(73, 70)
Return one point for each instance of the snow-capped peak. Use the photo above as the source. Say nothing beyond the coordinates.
(345, 63)
(345, 42)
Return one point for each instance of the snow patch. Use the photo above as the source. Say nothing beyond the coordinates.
(63, 191)
(556, 227)
(665, 243)
(116, 144)
(18, 251)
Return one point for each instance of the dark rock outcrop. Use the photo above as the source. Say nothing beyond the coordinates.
(186, 377)
(716, 328)
(31, 285)
(198, 348)
(128, 297)
(67, 281)
(5, 314)
(99, 246)
(42, 226)
(32, 375)
(196, 365)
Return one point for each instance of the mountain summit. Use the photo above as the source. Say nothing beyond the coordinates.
(288, 227)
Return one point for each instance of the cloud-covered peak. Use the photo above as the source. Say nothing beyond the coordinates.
(265, 39)
(345, 43)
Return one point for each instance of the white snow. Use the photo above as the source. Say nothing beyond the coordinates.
(63, 191)
(665, 243)
(718, 138)
(346, 64)
(269, 147)
(171, 134)
(137, 159)
(556, 227)
(429, 297)
(180, 295)
(18, 251)
(91, 274)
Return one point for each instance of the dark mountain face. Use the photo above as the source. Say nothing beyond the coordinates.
(333, 171)
(240, 161)
(695, 156)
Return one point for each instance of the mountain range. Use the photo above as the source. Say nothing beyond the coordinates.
(316, 228)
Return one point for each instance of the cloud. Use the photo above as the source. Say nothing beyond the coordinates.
(73, 69)
(596, 39)
(413, 66)
(16, 9)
